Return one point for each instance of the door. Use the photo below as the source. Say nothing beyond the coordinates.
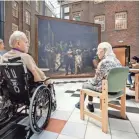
(123, 54)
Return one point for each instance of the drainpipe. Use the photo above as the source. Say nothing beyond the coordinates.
(2, 15)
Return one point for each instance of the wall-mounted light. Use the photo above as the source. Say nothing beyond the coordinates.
(121, 41)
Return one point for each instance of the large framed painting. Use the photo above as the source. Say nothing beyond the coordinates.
(66, 48)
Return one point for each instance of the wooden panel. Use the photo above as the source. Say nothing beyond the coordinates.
(120, 54)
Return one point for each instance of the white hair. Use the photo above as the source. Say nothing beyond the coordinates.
(108, 49)
(16, 36)
(1, 41)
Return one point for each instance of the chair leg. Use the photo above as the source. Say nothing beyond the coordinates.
(105, 115)
(100, 104)
(123, 106)
(137, 87)
(82, 105)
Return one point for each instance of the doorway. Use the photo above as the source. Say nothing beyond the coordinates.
(123, 54)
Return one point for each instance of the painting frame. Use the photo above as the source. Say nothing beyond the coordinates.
(37, 17)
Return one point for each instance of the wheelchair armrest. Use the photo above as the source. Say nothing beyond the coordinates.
(38, 83)
(15, 59)
(47, 79)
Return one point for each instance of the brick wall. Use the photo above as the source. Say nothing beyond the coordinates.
(129, 36)
(20, 21)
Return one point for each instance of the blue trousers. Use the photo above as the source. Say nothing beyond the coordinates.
(129, 77)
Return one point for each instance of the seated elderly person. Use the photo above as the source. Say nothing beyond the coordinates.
(20, 46)
(108, 61)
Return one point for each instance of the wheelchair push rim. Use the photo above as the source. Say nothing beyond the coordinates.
(40, 109)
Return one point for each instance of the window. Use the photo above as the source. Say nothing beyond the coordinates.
(28, 1)
(77, 16)
(28, 35)
(15, 9)
(14, 27)
(27, 17)
(66, 10)
(66, 17)
(37, 6)
(98, 1)
(121, 21)
(100, 20)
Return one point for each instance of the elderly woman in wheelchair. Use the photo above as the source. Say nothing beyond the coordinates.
(23, 83)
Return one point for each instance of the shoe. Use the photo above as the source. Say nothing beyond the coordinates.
(77, 105)
(132, 88)
(90, 107)
(127, 85)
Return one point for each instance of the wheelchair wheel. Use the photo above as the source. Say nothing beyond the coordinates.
(40, 109)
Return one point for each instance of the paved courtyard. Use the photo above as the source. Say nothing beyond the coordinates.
(65, 122)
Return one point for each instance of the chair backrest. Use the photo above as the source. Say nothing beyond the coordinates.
(117, 79)
(14, 78)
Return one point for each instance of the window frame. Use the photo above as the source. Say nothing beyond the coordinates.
(14, 25)
(28, 2)
(67, 16)
(29, 17)
(99, 1)
(28, 33)
(126, 21)
(68, 9)
(76, 14)
(15, 11)
(38, 6)
(104, 22)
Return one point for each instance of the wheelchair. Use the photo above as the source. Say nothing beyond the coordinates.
(18, 90)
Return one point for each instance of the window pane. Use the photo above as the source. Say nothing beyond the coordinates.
(14, 27)
(98, 1)
(37, 6)
(28, 35)
(77, 16)
(66, 10)
(100, 20)
(28, 1)
(15, 9)
(121, 21)
(27, 17)
(66, 17)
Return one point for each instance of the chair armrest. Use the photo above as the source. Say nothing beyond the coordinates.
(91, 93)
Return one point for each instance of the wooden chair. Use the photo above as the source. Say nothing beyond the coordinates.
(115, 82)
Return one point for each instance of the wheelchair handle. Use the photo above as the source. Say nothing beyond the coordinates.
(14, 59)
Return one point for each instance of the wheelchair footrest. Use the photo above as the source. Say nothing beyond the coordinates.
(12, 130)
(15, 132)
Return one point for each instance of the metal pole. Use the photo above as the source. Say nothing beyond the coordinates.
(2, 8)
(60, 10)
